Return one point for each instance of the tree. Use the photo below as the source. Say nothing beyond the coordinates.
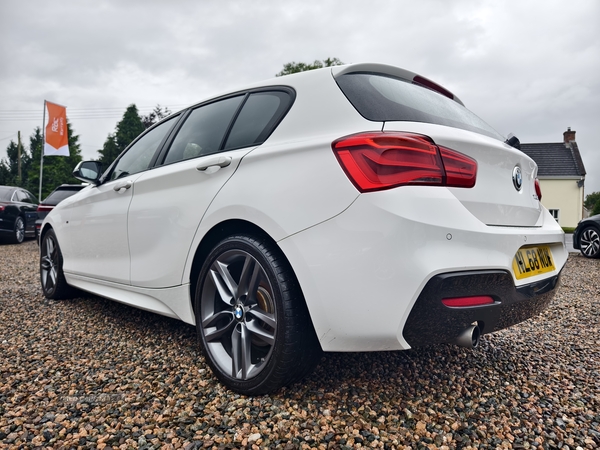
(126, 131)
(57, 169)
(294, 67)
(155, 116)
(109, 151)
(9, 167)
(592, 201)
(129, 127)
(5, 176)
(596, 209)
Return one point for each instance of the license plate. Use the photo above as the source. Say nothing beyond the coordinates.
(530, 261)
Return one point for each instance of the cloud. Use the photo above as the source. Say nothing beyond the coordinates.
(525, 67)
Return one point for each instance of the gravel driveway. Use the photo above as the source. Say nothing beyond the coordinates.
(90, 373)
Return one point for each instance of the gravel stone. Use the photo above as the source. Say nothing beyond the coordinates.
(91, 373)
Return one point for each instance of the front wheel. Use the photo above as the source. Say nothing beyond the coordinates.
(589, 242)
(252, 321)
(54, 285)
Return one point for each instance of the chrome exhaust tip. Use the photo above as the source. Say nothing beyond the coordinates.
(469, 338)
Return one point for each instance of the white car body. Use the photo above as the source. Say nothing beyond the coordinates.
(361, 259)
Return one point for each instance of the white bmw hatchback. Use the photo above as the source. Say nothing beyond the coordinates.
(352, 208)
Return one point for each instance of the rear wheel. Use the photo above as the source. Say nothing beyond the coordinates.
(19, 231)
(252, 320)
(54, 285)
(589, 242)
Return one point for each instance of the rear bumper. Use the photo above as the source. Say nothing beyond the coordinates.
(431, 322)
(363, 271)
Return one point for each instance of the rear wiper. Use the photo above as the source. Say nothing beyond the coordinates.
(513, 141)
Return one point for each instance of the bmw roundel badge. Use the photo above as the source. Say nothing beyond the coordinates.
(517, 178)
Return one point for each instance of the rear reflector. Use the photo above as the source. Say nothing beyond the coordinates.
(377, 160)
(538, 189)
(465, 302)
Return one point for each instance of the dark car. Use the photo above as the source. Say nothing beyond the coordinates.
(587, 237)
(56, 196)
(17, 213)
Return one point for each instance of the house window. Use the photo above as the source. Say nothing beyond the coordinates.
(554, 213)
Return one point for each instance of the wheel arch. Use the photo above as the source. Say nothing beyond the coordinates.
(43, 231)
(216, 234)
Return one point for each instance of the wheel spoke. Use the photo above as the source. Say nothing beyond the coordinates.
(240, 343)
(217, 334)
(46, 263)
(265, 317)
(50, 249)
(224, 291)
(49, 278)
(52, 276)
(260, 333)
(249, 279)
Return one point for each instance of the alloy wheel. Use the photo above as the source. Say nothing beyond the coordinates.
(238, 314)
(49, 263)
(19, 230)
(590, 242)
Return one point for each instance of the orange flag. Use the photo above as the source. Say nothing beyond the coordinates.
(56, 140)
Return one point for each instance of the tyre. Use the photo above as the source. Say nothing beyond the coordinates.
(54, 285)
(19, 231)
(589, 242)
(252, 321)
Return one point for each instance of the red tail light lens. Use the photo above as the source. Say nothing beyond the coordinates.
(466, 302)
(377, 160)
(45, 208)
(538, 189)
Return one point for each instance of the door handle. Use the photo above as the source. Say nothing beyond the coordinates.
(125, 185)
(218, 161)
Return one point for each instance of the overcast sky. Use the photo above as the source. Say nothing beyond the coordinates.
(527, 67)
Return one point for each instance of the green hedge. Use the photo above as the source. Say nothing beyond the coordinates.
(568, 229)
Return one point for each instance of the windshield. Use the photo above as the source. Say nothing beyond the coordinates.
(383, 98)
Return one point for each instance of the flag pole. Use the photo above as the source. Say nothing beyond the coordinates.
(42, 156)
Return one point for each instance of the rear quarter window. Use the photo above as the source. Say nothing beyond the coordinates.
(382, 98)
(261, 112)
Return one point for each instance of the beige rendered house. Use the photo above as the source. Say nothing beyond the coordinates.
(562, 175)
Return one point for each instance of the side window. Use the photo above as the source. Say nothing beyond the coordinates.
(203, 131)
(260, 114)
(139, 155)
(25, 197)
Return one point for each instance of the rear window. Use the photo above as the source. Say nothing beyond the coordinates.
(58, 196)
(6, 193)
(383, 98)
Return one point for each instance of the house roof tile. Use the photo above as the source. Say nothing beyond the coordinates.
(556, 159)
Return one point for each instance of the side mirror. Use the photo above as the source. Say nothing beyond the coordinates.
(88, 171)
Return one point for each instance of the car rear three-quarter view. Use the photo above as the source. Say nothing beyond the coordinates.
(353, 208)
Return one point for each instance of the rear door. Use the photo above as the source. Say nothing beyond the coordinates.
(170, 200)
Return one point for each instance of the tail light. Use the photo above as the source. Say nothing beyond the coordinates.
(538, 189)
(43, 208)
(376, 160)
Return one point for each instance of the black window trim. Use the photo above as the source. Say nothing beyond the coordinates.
(159, 159)
(105, 178)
